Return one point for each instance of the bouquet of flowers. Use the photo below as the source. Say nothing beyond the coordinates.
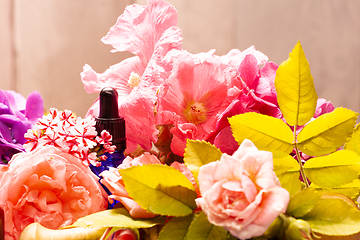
(219, 147)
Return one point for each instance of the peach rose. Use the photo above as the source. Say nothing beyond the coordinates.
(241, 192)
(50, 187)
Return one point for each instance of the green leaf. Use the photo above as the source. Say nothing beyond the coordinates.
(176, 228)
(303, 202)
(198, 153)
(287, 171)
(267, 133)
(353, 143)
(352, 190)
(201, 229)
(119, 218)
(285, 164)
(295, 89)
(160, 189)
(334, 216)
(327, 133)
(333, 170)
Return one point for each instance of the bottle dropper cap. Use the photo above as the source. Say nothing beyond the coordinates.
(109, 118)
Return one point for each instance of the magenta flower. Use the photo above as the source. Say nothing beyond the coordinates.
(17, 115)
(197, 91)
(258, 95)
(149, 33)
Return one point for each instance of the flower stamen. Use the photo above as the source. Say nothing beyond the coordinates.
(134, 80)
(195, 113)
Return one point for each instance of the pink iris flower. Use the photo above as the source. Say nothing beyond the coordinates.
(149, 33)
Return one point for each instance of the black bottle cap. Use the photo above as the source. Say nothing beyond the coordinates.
(109, 118)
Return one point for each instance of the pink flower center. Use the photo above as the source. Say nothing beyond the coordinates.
(195, 113)
(134, 80)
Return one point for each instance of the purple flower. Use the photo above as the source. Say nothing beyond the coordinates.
(17, 115)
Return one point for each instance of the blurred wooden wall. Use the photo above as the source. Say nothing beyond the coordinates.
(45, 43)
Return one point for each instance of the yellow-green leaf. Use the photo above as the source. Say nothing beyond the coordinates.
(303, 202)
(198, 153)
(287, 170)
(295, 88)
(160, 189)
(176, 228)
(352, 190)
(334, 216)
(267, 133)
(353, 143)
(201, 229)
(327, 133)
(118, 217)
(333, 170)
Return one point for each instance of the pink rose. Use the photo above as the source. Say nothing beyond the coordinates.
(50, 187)
(241, 192)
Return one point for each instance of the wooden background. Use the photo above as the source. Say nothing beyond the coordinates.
(45, 43)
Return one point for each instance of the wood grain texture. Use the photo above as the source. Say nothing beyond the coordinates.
(7, 70)
(54, 40)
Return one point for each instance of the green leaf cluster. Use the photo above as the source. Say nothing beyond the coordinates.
(193, 227)
(329, 170)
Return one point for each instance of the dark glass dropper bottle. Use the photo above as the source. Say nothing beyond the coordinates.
(110, 120)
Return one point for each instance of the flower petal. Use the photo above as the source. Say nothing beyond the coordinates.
(249, 71)
(138, 23)
(34, 107)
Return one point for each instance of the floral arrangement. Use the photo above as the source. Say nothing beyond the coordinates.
(219, 147)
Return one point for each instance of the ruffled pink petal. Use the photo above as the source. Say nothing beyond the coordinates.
(138, 23)
(116, 76)
(227, 168)
(112, 180)
(323, 107)
(234, 57)
(275, 201)
(234, 108)
(249, 71)
(225, 141)
(181, 132)
(143, 159)
(140, 122)
(245, 147)
(265, 88)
